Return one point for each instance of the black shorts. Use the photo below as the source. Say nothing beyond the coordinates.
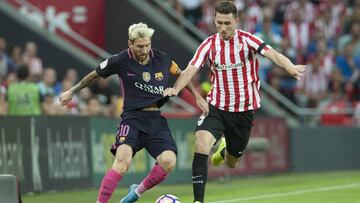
(235, 126)
(144, 129)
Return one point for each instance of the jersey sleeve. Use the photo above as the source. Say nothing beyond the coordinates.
(257, 44)
(174, 68)
(202, 53)
(108, 67)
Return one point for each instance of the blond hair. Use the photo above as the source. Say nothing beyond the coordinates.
(140, 30)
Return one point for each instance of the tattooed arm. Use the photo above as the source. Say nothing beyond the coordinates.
(66, 97)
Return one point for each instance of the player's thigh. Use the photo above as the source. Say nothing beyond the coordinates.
(128, 133)
(237, 133)
(159, 139)
(209, 129)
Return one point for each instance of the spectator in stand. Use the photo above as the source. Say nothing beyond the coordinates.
(326, 56)
(313, 87)
(353, 37)
(3, 103)
(336, 86)
(46, 85)
(305, 8)
(24, 96)
(51, 107)
(84, 96)
(31, 59)
(327, 23)
(6, 63)
(16, 55)
(192, 10)
(102, 91)
(298, 32)
(319, 35)
(348, 63)
(71, 75)
(254, 14)
(94, 108)
(271, 38)
(72, 107)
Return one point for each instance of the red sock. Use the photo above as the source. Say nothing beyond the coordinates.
(156, 176)
(108, 185)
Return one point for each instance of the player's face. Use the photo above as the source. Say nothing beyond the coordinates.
(141, 48)
(225, 25)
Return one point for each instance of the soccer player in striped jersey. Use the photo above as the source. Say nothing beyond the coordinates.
(145, 74)
(234, 96)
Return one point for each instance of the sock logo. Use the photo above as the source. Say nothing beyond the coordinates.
(194, 177)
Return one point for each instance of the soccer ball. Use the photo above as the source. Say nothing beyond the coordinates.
(167, 199)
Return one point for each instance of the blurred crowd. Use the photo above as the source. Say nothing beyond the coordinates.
(96, 100)
(324, 34)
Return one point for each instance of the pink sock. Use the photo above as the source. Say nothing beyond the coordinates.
(108, 185)
(156, 176)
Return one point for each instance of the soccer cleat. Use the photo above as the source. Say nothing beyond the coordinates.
(131, 196)
(197, 202)
(216, 158)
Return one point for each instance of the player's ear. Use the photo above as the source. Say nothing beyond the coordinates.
(130, 43)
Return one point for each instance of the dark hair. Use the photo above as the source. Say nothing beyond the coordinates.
(22, 72)
(226, 7)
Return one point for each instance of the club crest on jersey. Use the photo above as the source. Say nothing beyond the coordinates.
(122, 139)
(146, 76)
(159, 76)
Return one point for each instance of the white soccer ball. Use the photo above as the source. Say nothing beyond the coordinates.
(168, 199)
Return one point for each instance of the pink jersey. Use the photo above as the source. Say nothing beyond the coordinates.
(234, 70)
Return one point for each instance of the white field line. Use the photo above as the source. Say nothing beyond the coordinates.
(296, 192)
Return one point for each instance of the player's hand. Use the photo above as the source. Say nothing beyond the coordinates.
(169, 92)
(203, 105)
(66, 97)
(297, 71)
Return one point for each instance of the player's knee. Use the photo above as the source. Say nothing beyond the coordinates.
(121, 165)
(167, 163)
(202, 146)
(167, 160)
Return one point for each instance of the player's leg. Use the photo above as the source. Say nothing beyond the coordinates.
(113, 176)
(203, 144)
(160, 144)
(237, 134)
(208, 131)
(125, 147)
(165, 164)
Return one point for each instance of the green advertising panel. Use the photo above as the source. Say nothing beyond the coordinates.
(103, 132)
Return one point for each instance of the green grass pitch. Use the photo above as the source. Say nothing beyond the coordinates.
(329, 187)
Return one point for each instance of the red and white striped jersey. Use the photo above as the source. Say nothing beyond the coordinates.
(234, 70)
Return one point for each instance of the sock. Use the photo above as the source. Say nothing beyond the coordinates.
(156, 176)
(199, 175)
(222, 153)
(108, 185)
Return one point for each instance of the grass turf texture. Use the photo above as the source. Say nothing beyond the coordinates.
(329, 187)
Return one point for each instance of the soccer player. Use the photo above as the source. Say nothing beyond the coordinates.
(234, 96)
(144, 72)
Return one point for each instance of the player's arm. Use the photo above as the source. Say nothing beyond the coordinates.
(200, 101)
(105, 69)
(182, 81)
(282, 61)
(86, 81)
